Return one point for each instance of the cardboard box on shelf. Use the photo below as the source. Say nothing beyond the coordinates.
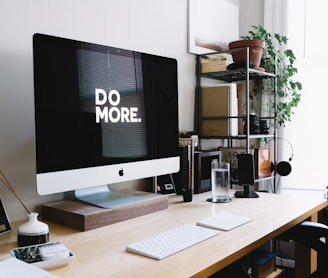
(214, 65)
(263, 264)
(218, 104)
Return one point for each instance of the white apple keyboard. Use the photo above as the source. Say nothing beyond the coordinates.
(171, 242)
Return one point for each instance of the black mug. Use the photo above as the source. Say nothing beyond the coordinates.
(187, 194)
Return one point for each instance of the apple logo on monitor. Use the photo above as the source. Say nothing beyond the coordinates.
(121, 172)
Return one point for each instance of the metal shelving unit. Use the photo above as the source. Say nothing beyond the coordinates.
(244, 74)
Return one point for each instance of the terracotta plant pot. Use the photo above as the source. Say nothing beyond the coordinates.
(255, 51)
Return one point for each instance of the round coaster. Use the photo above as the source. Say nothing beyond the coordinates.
(227, 200)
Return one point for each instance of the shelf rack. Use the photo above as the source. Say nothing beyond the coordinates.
(243, 74)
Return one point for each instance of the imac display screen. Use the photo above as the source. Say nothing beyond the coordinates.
(100, 112)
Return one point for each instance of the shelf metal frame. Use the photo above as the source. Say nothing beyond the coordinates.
(246, 74)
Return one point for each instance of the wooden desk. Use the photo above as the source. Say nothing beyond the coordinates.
(101, 252)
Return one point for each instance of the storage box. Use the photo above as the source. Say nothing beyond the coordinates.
(218, 105)
(263, 270)
(214, 65)
(275, 274)
(263, 264)
(262, 162)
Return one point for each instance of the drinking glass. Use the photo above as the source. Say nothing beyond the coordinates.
(220, 182)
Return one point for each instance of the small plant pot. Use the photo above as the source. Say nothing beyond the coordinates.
(255, 51)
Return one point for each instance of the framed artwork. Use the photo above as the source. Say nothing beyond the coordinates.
(212, 25)
(4, 222)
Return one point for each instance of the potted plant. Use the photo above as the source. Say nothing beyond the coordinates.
(256, 48)
(279, 60)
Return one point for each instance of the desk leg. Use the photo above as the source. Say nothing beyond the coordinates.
(305, 257)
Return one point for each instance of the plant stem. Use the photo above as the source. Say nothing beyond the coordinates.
(6, 182)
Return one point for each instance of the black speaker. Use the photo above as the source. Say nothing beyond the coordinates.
(182, 177)
(283, 168)
(245, 169)
(246, 176)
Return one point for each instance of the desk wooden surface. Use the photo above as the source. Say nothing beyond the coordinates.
(101, 252)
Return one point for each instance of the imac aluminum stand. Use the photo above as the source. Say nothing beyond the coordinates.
(102, 196)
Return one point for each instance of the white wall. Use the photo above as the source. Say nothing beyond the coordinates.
(152, 26)
(251, 13)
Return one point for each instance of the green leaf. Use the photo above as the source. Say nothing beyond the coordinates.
(282, 63)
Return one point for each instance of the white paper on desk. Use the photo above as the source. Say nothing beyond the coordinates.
(224, 221)
(17, 268)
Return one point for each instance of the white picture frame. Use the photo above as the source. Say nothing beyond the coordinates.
(212, 25)
(5, 226)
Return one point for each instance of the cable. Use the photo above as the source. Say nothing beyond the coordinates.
(289, 143)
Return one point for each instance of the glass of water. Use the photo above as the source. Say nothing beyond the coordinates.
(220, 182)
